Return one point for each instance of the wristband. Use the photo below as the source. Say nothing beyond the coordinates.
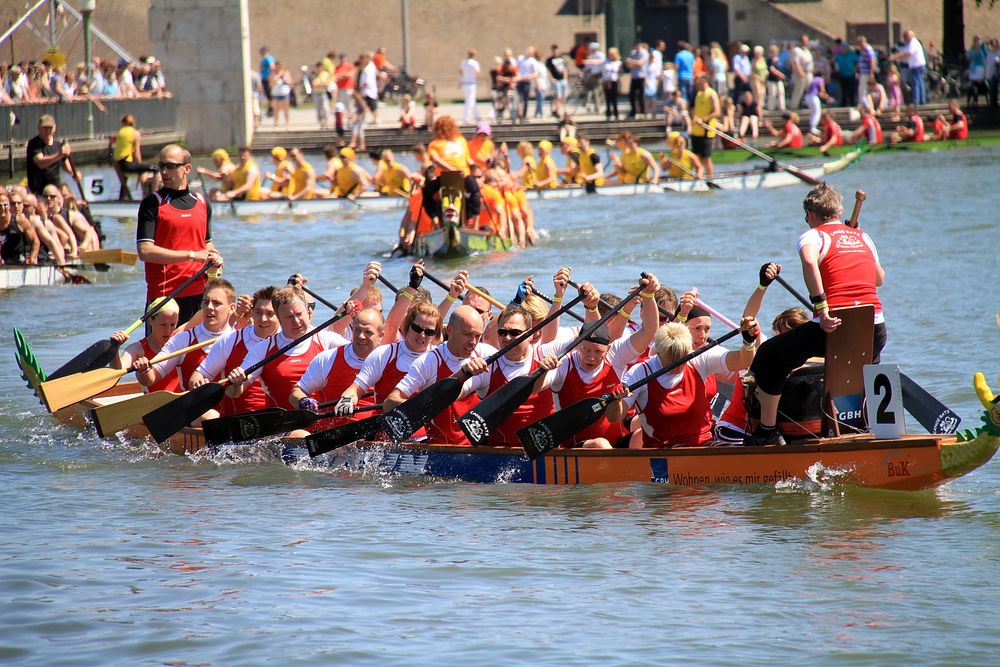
(557, 299)
(762, 288)
(822, 305)
(451, 299)
(190, 255)
(647, 295)
(749, 346)
(627, 315)
(406, 295)
(591, 310)
(818, 298)
(682, 318)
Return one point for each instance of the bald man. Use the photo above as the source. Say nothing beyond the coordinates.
(462, 357)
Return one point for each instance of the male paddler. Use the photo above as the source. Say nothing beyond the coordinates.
(706, 108)
(174, 235)
(303, 183)
(45, 157)
(841, 268)
(244, 179)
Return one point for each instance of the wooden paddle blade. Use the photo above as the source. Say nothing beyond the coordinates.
(65, 391)
(125, 414)
(109, 256)
(257, 424)
(546, 434)
(331, 439)
(932, 414)
(96, 356)
(799, 174)
(409, 416)
(168, 419)
(480, 421)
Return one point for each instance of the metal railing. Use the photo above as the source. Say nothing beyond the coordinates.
(19, 122)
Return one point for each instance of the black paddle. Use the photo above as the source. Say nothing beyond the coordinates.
(794, 171)
(712, 185)
(663, 311)
(270, 421)
(103, 351)
(931, 413)
(170, 418)
(495, 409)
(546, 434)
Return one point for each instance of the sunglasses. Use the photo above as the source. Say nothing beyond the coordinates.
(50, 196)
(4, 204)
(171, 165)
(509, 333)
(417, 329)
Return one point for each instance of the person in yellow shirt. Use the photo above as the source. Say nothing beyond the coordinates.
(570, 147)
(481, 147)
(303, 182)
(589, 171)
(682, 163)
(526, 174)
(546, 174)
(223, 169)
(351, 179)
(706, 109)
(636, 164)
(391, 177)
(333, 163)
(245, 179)
(281, 177)
(127, 155)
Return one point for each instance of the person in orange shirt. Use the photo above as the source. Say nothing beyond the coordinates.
(449, 151)
(512, 206)
(481, 147)
(494, 211)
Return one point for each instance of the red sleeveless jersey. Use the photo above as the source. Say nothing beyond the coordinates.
(170, 382)
(444, 427)
(537, 406)
(177, 230)
(736, 412)
(848, 269)
(678, 415)
(281, 375)
(391, 375)
(574, 389)
(918, 128)
(873, 131)
(832, 131)
(962, 132)
(254, 397)
(791, 129)
(190, 362)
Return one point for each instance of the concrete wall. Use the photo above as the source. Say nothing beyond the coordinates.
(203, 45)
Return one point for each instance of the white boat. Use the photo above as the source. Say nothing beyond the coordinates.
(746, 179)
(13, 276)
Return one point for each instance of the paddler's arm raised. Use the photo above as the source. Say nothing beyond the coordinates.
(455, 291)
(765, 276)
(560, 281)
(737, 360)
(650, 313)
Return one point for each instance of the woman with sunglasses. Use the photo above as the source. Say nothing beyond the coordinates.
(23, 205)
(18, 244)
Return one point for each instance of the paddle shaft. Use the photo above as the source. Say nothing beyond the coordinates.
(689, 172)
(76, 178)
(801, 175)
(716, 314)
(859, 199)
(382, 279)
(285, 348)
(471, 288)
(663, 312)
(794, 292)
(531, 332)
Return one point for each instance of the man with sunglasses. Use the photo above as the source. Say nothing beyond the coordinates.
(174, 236)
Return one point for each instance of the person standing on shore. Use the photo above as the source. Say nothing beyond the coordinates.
(916, 61)
(45, 157)
(556, 66)
(174, 236)
(266, 65)
(468, 72)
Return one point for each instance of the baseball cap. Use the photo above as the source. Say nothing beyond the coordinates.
(545, 145)
(46, 121)
(279, 153)
(482, 127)
(570, 141)
(600, 335)
(348, 152)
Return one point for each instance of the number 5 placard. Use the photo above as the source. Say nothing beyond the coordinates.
(883, 389)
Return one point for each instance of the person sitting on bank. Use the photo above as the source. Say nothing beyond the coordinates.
(841, 268)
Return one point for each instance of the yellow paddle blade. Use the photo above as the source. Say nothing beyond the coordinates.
(109, 256)
(65, 391)
(120, 416)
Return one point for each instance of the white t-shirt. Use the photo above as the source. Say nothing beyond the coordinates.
(215, 363)
(374, 367)
(182, 340)
(612, 70)
(319, 368)
(526, 66)
(327, 339)
(541, 76)
(915, 54)
(470, 70)
(423, 371)
(655, 67)
(368, 82)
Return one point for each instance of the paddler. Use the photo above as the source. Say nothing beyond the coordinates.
(162, 326)
(525, 175)
(546, 174)
(841, 268)
(705, 108)
(589, 171)
(351, 179)
(832, 134)
(281, 176)
(244, 180)
(303, 181)
(683, 163)
(174, 235)
(231, 348)
(126, 148)
(391, 177)
(333, 163)
(280, 375)
(481, 146)
(912, 129)
(636, 164)
(791, 135)
(19, 244)
(570, 148)
(224, 168)
(870, 130)
(217, 305)
(462, 356)
(493, 214)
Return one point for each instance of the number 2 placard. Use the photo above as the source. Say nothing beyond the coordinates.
(883, 389)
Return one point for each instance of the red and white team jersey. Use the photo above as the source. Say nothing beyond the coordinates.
(176, 228)
(570, 383)
(280, 375)
(873, 131)
(330, 373)
(168, 382)
(674, 408)
(384, 368)
(847, 265)
(225, 355)
(186, 364)
(435, 365)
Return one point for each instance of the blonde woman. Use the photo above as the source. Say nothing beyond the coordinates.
(609, 78)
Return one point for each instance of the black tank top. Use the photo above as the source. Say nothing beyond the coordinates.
(12, 244)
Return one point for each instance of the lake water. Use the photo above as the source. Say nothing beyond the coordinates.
(113, 554)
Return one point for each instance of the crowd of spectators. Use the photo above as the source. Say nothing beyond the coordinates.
(32, 81)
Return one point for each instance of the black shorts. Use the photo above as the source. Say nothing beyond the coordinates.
(701, 146)
(372, 103)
